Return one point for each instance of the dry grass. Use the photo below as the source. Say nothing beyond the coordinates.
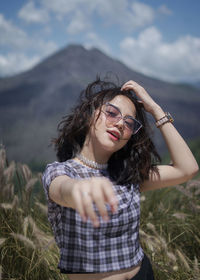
(27, 247)
(170, 233)
(169, 229)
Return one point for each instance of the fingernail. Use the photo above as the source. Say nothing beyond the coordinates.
(114, 209)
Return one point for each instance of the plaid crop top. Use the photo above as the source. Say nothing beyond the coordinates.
(86, 249)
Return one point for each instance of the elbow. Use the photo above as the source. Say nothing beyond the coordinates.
(196, 170)
(192, 171)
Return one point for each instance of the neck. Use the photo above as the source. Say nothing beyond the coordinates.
(94, 153)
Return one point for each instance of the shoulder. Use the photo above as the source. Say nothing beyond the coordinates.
(55, 169)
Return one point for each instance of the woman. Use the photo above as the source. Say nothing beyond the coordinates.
(106, 158)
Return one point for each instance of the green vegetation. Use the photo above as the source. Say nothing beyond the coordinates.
(169, 228)
(195, 148)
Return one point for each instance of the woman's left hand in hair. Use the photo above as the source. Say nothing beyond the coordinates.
(143, 97)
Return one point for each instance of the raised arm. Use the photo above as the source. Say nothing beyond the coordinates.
(184, 165)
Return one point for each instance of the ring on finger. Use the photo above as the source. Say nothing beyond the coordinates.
(85, 194)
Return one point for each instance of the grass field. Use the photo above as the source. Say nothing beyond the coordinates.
(169, 232)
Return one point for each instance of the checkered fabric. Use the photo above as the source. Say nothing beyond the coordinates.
(86, 249)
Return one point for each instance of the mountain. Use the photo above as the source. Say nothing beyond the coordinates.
(197, 84)
(33, 102)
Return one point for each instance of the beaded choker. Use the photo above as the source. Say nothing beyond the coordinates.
(91, 163)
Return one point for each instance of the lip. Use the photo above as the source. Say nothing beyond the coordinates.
(114, 133)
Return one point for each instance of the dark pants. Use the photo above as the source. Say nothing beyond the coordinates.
(145, 272)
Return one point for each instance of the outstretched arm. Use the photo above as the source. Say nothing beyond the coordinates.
(80, 194)
(184, 165)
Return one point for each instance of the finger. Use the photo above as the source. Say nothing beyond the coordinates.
(88, 208)
(140, 102)
(130, 83)
(139, 91)
(131, 87)
(79, 204)
(110, 196)
(99, 200)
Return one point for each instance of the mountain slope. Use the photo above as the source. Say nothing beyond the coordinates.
(33, 102)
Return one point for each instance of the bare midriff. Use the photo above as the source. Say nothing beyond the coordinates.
(124, 274)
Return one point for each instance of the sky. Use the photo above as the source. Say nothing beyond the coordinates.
(158, 38)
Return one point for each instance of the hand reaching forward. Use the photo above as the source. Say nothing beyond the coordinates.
(98, 190)
(149, 104)
(80, 194)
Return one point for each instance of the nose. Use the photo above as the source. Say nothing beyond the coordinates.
(120, 124)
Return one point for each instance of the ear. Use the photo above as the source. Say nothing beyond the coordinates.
(94, 117)
(97, 113)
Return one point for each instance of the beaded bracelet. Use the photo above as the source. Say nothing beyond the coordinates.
(167, 118)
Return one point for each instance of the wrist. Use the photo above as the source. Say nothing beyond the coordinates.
(157, 112)
(66, 188)
(166, 119)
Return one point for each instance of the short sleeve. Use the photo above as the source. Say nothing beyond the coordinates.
(52, 171)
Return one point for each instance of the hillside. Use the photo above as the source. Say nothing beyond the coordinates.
(33, 102)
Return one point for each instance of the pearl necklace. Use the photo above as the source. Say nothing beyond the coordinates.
(91, 163)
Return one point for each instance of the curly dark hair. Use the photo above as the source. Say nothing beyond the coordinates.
(130, 164)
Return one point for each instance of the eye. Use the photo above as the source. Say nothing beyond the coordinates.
(129, 124)
(111, 111)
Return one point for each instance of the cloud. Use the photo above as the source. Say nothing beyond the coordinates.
(62, 7)
(78, 23)
(93, 40)
(163, 9)
(14, 38)
(126, 16)
(82, 15)
(10, 35)
(31, 14)
(21, 51)
(16, 62)
(142, 14)
(151, 55)
(123, 13)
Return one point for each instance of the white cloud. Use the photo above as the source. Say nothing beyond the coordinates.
(142, 14)
(17, 46)
(31, 14)
(149, 54)
(93, 40)
(14, 63)
(14, 38)
(126, 16)
(163, 9)
(44, 48)
(78, 23)
(10, 35)
(118, 12)
(63, 7)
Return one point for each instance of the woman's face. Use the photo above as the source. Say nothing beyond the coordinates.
(111, 137)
